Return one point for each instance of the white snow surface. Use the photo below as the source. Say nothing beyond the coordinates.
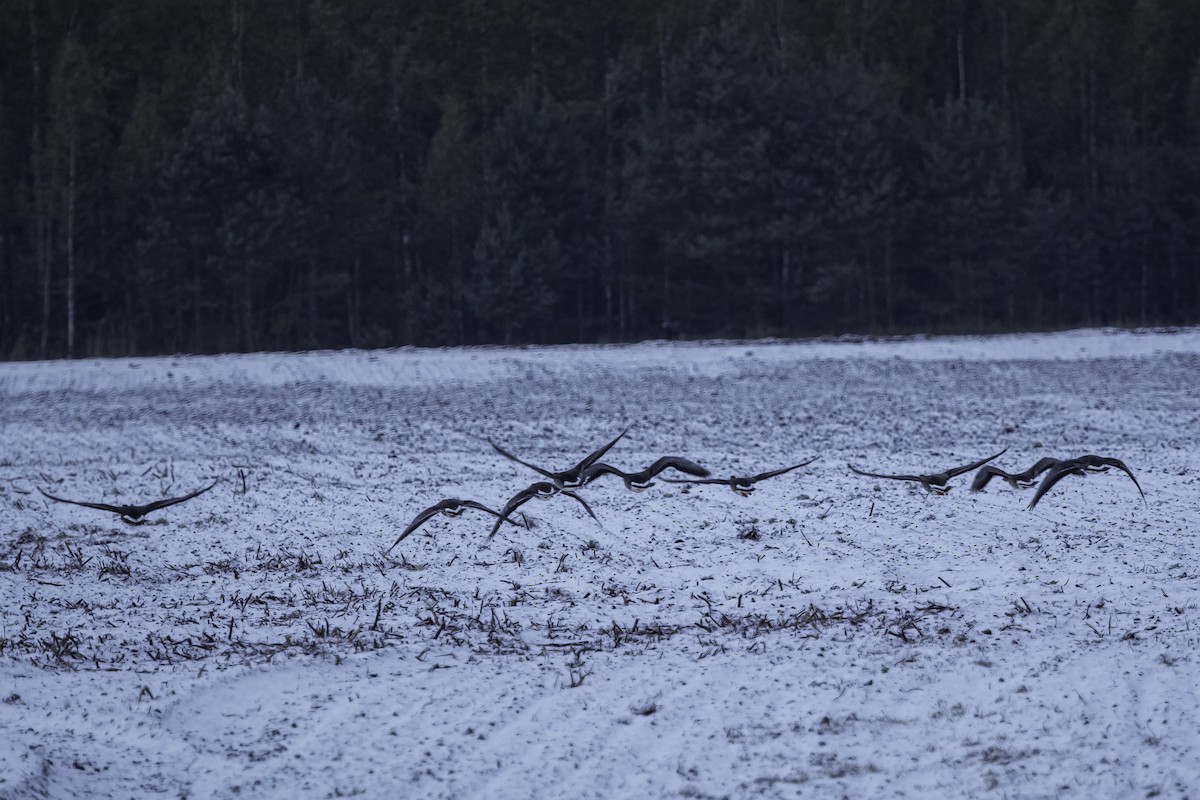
(829, 636)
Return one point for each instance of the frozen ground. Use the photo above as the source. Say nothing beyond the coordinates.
(830, 636)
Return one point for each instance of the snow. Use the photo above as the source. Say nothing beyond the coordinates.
(831, 635)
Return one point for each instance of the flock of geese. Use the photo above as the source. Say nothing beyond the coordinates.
(566, 482)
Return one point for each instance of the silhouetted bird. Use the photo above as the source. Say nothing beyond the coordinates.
(1081, 466)
(450, 507)
(935, 483)
(132, 515)
(741, 484)
(567, 479)
(641, 481)
(1017, 480)
(542, 490)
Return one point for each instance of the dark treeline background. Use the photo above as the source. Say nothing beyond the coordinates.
(285, 174)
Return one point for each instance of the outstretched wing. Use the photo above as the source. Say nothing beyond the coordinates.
(1119, 464)
(677, 463)
(516, 501)
(858, 471)
(594, 471)
(1056, 474)
(581, 502)
(481, 507)
(986, 474)
(721, 481)
(511, 457)
(99, 506)
(775, 472)
(157, 504)
(950, 473)
(597, 454)
(418, 521)
(1041, 466)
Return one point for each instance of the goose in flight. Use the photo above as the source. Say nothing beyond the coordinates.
(450, 507)
(542, 490)
(641, 481)
(1017, 480)
(567, 479)
(133, 515)
(742, 484)
(935, 483)
(1081, 466)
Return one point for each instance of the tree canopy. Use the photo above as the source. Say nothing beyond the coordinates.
(287, 174)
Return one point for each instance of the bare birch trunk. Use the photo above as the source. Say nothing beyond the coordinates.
(355, 326)
(41, 217)
(888, 297)
(962, 62)
(238, 30)
(71, 241)
(606, 212)
(785, 287)
(1144, 287)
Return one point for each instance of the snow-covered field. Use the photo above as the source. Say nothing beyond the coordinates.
(829, 636)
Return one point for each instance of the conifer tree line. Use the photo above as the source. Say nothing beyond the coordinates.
(235, 175)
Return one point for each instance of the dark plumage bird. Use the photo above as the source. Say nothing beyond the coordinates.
(935, 483)
(449, 507)
(567, 479)
(1081, 466)
(743, 484)
(542, 490)
(1017, 480)
(641, 481)
(133, 515)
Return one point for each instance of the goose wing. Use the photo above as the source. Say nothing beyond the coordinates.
(419, 520)
(170, 501)
(595, 471)
(1119, 464)
(1041, 466)
(598, 453)
(679, 463)
(516, 501)
(919, 478)
(481, 507)
(511, 457)
(950, 473)
(99, 506)
(581, 501)
(1056, 474)
(773, 473)
(986, 474)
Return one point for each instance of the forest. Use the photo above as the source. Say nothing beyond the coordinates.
(244, 175)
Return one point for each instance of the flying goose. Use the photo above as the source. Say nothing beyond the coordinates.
(449, 507)
(742, 484)
(1081, 466)
(567, 479)
(542, 490)
(641, 481)
(133, 515)
(935, 483)
(1017, 480)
